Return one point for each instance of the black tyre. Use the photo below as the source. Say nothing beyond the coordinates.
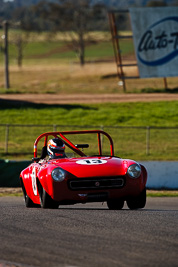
(28, 202)
(46, 201)
(138, 202)
(115, 204)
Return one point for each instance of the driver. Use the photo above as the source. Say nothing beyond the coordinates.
(56, 148)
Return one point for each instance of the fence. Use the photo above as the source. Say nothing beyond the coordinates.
(155, 143)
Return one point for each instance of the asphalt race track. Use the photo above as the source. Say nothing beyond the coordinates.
(89, 235)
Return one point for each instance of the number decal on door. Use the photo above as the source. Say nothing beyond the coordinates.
(34, 185)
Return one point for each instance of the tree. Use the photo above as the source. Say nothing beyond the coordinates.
(74, 18)
(20, 40)
(20, 36)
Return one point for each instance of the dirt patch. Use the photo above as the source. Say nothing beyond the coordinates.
(88, 98)
(10, 190)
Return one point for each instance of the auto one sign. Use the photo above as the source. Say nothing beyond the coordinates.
(155, 33)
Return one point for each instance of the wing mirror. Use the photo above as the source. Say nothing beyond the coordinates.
(82, 146)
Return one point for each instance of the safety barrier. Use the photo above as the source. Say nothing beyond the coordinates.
(161, 174)
(10, 172)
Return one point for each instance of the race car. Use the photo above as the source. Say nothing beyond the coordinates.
(79, 178)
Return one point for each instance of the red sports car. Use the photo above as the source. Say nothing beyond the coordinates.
(61, 177)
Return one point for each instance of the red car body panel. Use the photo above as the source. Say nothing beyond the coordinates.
(80, 173)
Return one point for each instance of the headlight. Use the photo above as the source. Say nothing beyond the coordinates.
(134, 170)
(58, 175)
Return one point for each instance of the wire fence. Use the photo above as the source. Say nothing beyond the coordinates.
(129, 141)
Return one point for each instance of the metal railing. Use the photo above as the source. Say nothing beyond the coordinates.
(128, 140)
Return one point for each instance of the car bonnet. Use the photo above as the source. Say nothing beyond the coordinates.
(92, 166)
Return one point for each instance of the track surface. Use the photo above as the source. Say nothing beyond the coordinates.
(88, 98)
(89, 235)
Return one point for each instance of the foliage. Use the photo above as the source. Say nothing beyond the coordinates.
(76, 20)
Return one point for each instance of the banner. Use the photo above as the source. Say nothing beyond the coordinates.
(155, 33)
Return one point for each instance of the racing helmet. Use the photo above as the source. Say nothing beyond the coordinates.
(56, 148)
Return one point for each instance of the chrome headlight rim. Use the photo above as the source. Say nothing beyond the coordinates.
(58, 174)
(134, 171)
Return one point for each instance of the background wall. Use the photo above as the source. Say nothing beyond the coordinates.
(162, 174)
(10, 172)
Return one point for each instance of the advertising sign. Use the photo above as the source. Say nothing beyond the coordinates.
(155, 33)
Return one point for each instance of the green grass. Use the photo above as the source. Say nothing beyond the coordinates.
(162, 193)
(129, 142)
(120, 114)
(105, 49)
(60, 50)
(42, 46)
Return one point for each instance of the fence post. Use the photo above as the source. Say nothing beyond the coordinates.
(6, 25)
(148, 140)
(6, 139)
(54, 127)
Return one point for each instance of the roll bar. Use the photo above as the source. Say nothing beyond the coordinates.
(67, 142)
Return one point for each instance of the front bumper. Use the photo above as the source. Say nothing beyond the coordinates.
(82, 190)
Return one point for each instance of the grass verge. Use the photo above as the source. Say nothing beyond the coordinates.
(11, 191)
(162, 193)
(17, 192)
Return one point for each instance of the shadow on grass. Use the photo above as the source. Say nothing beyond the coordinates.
(161, 90)
(10, 104)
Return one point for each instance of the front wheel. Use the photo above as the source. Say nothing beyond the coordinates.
(115, 204)
(46, 201)
(137, 202)
(28, 202)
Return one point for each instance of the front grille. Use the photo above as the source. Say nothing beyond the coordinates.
(96, 183)
(100, 197)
